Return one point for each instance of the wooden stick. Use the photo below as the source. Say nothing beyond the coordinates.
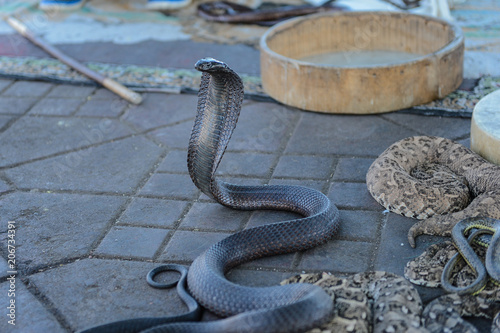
(112, 85)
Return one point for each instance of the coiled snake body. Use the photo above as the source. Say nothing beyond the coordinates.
(437, 180)
(291, 308)
(445, 184)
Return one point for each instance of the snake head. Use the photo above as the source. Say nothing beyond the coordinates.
(210, 65)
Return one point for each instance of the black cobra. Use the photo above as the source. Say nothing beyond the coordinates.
(289, 308)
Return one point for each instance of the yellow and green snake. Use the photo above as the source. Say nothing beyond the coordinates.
(474, 227)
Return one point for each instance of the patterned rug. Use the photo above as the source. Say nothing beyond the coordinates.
(141, 78)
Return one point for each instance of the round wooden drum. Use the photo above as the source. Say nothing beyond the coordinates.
(361, 62)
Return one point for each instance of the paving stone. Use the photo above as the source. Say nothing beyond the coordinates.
(54, 227)
(132, 242)
(118, 166)
(44, 136)
(56, 106)
(4, 187)
(359, 225)
(187, 245)
(246, 164)
(16, 105)
(168, 54)
(170, 186)
(447, 127)
(429, 294)
(161, 109)
(352, 169)
(215, 217)
(108, 290)
(263, 127)
(4, 84)
(338, 256)
(4, 120)
(28, 311)
(304, 167)
(354, 225)
(15, 44)
(4, 267)
(104, 94)
(102, 108)
(153, 212)
(175, 161)
(176, 136)
(465, 142)
(103, 291)
(468, 84)
(28, 89)
(71, 91)
(394, 251)
(343, 134)
(184, 54)
(352, 195)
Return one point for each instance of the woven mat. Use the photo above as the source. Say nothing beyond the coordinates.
(141, 78)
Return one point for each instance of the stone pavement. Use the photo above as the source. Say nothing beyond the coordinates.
(98, 193)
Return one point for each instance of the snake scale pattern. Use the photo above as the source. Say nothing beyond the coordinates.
(426, 270)
(368, 302)
(448, 187)
(382, 302)
(436, 180)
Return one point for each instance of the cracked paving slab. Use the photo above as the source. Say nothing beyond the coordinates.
(95, 291)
